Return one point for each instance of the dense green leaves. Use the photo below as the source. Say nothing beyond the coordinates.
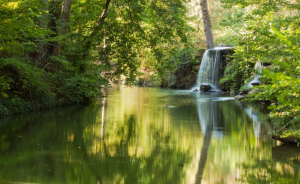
(268, 31)
(19, 29)
(51, 57)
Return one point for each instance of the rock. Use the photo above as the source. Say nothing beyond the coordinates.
(245, 91)
(255, 83)
(222, 45)
(239, 97)
(253, 91)
(268, 67)
(205, 87)
(225, 92)
(265, 63)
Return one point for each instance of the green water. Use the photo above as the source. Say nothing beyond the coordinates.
(146, 135)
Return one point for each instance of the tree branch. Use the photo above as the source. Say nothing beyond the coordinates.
(103, 16)
(100, 21)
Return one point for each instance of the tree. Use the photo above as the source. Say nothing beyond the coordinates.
(64, 21)
(269, 33)
(207, 25)
(62, 51)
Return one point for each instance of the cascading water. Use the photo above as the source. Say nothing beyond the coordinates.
(258, 74)
(209, 72)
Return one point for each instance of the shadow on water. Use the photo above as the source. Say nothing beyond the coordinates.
(71, 145)
(281, 169)
(145, 135)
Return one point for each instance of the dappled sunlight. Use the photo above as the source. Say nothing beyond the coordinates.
(132, 136)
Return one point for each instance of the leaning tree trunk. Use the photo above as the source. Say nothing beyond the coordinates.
(207, 25)
(97, 28)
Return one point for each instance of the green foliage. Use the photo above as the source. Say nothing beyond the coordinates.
(19, 31)
(179, 70)
(283, 93)
(269, 32)
(22, 83)
(48, 60)
(234, 76)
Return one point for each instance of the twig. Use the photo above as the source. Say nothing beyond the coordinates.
(45, 66)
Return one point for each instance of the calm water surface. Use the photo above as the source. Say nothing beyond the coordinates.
(146, 135)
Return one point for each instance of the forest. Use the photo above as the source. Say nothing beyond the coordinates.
(60, 52)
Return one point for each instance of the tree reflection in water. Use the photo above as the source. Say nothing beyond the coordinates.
(267, 171)
(207, 120)
(133, 137)
(55, 147)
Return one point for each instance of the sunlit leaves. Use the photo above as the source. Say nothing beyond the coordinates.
(77, 56)
(19, 30)
(269, 34)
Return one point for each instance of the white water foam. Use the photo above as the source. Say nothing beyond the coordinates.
(209, 72)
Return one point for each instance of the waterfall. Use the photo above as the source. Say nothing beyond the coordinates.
(208, 72)
(258, 73)
(210, 69)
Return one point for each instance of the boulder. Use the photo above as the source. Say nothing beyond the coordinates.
(266, 63)
(245, 91)
(239, 97)
(255, 83)
(205, 87)
(253, 91)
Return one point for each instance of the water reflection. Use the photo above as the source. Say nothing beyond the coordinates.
(227, 140)
(141, 135)
(283, 168)
(209, 118)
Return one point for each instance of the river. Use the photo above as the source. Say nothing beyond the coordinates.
(146, 135)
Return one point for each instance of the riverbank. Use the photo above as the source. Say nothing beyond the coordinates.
(12, 107)
(283, 114)
(25, 87)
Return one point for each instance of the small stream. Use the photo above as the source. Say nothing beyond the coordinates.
(147, 135)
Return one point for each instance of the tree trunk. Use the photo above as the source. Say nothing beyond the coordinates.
(89, 39)
(64, 20)
(42, 48)
(54, 11)
(207, 25)
(65, 16)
